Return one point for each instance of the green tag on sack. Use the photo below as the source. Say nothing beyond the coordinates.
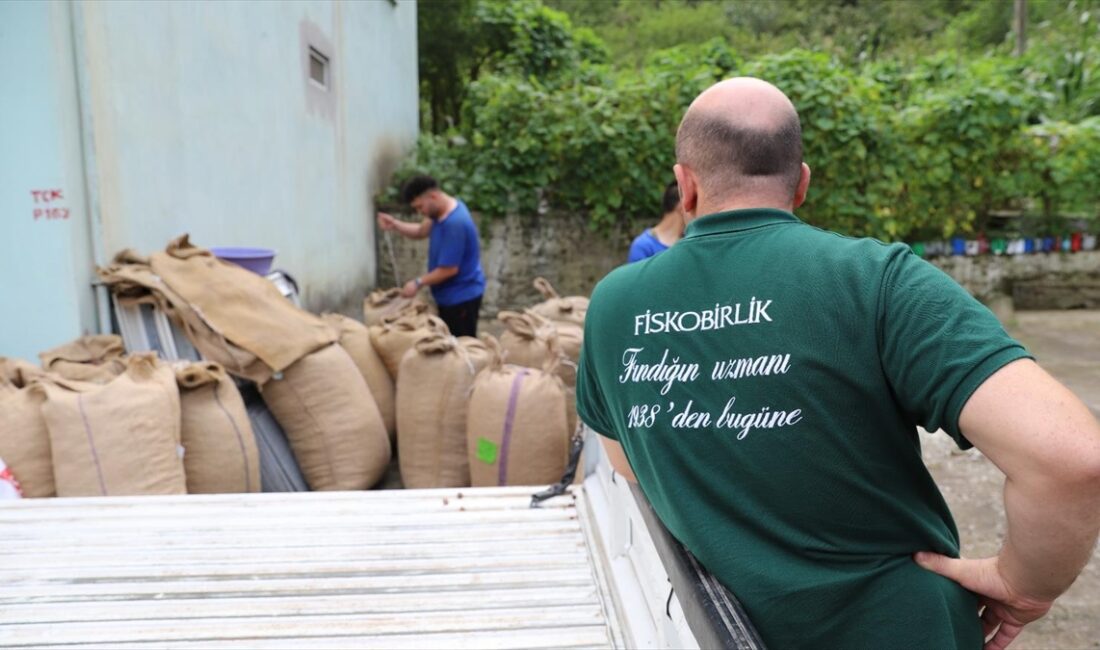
(487, 450)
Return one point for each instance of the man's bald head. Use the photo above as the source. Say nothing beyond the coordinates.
(742, 136)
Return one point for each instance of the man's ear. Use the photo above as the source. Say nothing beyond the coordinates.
(689, 191)
(803, 186)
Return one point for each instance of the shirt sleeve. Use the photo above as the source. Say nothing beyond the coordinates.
(591, 405)
(452, 244)
(937, 344)
(637, 251)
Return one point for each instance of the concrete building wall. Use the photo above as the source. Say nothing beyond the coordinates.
(45, 255)
(195, 117)
(206, 121)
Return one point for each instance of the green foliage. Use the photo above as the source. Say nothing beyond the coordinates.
(1067, 157)
(851, 30)
(844, 139)
(962, 146)
(529, 39)
(1069, 66)
(460, 40)
(903, 143)
(640, 28)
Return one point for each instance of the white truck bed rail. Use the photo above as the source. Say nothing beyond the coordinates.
(472, 568)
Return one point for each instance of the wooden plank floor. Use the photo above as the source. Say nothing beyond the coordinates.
(469, 568)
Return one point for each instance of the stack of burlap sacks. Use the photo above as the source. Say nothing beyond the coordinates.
(481, 412)
(93, 421)
(461, 411)
(124, 434)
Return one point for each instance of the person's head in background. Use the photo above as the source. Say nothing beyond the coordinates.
(422, 193)
(740, 146)
(670, 206)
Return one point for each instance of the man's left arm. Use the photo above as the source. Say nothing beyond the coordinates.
(592, 405)
(452, 244)
(1048, 445)
(616, 455)
(952, 366)
(438, 275)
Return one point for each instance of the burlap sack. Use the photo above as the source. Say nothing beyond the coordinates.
(240, 307)
(384, 303)
(433, 389)
(570, 309)
(16, 374)
(333, 424)
(527, 338)
(530, 340)
(220, 453)
(396, 334)
(570, 338)
(516, 431)
(355, 339)
(122, 438)
(24, 440)
(96, 359)
(133, 282)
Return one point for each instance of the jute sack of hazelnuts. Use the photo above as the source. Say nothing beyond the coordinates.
(433, 393)
(516, 430)
(568, 309)
(333, 425)
(355, 339)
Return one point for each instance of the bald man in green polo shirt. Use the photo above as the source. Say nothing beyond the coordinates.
(766, 386)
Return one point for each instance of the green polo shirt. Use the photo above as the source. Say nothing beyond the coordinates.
(766, 379)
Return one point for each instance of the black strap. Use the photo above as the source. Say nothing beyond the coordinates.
(559, 488)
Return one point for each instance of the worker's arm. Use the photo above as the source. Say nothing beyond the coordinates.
(410, 229)
(436, 276)
(1048, 445)
(617, 456)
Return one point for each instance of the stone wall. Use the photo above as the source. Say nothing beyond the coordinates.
(516, 250)
(1037, 281)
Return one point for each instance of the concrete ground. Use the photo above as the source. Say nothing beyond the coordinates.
(1067, 344)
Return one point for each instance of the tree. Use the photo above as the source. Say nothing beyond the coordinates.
(460, 40)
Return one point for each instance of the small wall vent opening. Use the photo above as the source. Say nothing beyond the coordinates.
(318, 68)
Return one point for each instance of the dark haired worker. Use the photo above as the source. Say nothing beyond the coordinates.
(454, 252)
(667, 231)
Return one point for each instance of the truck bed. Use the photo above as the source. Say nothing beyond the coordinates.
(393, 569)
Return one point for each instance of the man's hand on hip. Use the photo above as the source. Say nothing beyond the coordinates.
(1004, 611)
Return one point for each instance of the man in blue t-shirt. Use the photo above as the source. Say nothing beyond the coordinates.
(666, 233)
(454, 252)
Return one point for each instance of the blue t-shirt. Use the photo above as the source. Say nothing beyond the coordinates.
(454, 242)
(645, 245)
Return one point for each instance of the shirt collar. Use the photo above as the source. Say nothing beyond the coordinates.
(737, 221)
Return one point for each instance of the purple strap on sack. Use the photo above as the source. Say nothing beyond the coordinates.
(509, 419)
(91, 444)
(240, 439)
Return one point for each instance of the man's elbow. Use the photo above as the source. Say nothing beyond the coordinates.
(1079, 466)
(1089, 471)
(622, 468)
(617, 457)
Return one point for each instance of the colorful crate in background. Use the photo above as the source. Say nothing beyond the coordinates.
(958, 246)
